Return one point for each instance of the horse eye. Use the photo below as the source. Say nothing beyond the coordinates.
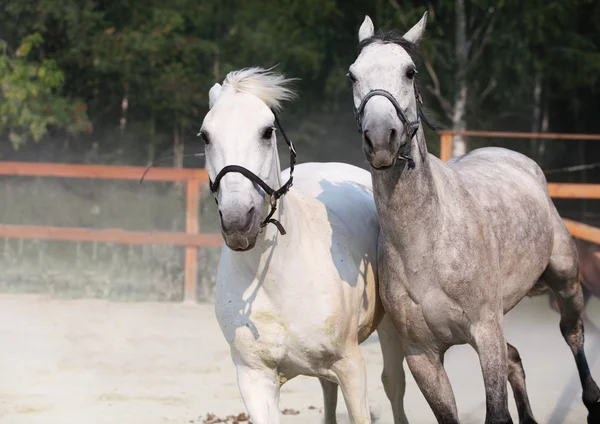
(410, 73)
(204, 137)
(351, 76)
(268, 133)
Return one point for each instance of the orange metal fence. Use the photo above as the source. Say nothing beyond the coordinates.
(192, 239)
(556, 190)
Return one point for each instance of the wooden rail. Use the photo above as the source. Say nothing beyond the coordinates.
(192, 239)
(59, 170)
(556, 190)
(446, 137)
(583, 231)
(110, 235)
(574, 191)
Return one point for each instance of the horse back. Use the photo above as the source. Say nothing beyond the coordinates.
(345, 191)
(341, 211)
(504, 194)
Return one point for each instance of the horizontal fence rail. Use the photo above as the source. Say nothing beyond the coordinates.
(109, 235)
(446, 137)
(59, 170)
(191, 239)
(556, 190)
(574, 191)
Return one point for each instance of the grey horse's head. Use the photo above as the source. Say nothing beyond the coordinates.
(386, 64)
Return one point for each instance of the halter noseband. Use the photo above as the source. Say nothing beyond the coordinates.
(274, 194)
(410, 127)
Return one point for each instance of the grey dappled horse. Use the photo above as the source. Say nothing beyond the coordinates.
(462, 242)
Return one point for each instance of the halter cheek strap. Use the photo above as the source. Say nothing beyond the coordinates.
(274, 195)
(410, 127)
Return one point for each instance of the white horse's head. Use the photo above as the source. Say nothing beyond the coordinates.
(239, 130)
(383, 78)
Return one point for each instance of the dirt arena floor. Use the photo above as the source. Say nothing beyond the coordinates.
(93, 362)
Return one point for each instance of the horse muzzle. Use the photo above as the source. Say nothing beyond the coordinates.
(381, 144)
(239, 228)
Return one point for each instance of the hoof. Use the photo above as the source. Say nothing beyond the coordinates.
(594, 413)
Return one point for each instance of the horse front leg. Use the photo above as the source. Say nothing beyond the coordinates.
(490, 344)
(426, 365)
(351, 373)
(393, 376)
(260, 389)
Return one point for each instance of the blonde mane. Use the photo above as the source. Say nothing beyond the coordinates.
(270, 87)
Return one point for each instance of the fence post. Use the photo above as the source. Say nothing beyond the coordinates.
(446, 146)
(192, 224)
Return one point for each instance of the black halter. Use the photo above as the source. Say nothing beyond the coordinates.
(410, 127)
(274, 194)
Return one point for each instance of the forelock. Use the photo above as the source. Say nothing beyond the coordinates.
(270, 87)
(393, 36)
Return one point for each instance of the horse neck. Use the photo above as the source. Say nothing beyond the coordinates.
(264, 268)
(407, 200)
(277, 169)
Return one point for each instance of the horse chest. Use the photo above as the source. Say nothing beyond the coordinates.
(423, 311)
(295, 341)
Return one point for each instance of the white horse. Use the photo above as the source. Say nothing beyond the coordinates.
(296, 300)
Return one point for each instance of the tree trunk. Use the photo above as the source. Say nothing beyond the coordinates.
(536, 119)
(177, 148)
(124, 108)
(459, 118)
(152, 144)
(543, 129)
(178, 154)
(584, 179)
(216, 68)
(545, 122)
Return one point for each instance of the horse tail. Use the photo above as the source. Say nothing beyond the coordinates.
(589, 268)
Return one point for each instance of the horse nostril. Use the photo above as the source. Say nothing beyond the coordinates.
(392, 135)
(368, 141)
(249, 217)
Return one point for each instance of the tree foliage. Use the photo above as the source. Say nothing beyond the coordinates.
(31, 96)
(139, 70)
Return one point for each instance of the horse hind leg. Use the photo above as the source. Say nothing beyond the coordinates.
(561, 275)
(516, 378)
(330, 395)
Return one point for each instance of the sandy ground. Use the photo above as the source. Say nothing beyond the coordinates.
(92, 362)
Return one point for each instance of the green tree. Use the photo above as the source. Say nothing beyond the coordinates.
(31, 96)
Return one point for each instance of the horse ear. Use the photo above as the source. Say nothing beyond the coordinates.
(213, 94)
(415, 33)
(367, 30)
